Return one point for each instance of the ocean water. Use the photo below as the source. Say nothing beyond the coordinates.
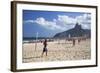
(34, 40)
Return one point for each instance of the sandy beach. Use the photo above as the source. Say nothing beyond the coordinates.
(59, 50)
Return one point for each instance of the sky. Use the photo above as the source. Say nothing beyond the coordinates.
(48, 23)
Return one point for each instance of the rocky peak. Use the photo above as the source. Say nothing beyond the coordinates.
(77, 26)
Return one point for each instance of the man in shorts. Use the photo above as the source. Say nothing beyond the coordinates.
(45, 47)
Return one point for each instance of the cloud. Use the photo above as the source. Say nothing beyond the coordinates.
(28, 21)
(66, 19)
(63, 22)
(45, 23)
(84, 20)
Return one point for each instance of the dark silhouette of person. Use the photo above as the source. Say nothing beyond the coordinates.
(73, 42)
(45, 47)
(79, 40)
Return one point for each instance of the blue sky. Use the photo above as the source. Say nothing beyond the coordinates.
(48, 23)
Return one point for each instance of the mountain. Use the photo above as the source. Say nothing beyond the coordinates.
(77, 31)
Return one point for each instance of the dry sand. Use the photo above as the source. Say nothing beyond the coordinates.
(57, 51)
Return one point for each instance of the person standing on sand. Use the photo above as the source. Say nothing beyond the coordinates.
(73, 42)
(45, 47)
(79, 40)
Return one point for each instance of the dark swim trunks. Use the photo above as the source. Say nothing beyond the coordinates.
(44, 49)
